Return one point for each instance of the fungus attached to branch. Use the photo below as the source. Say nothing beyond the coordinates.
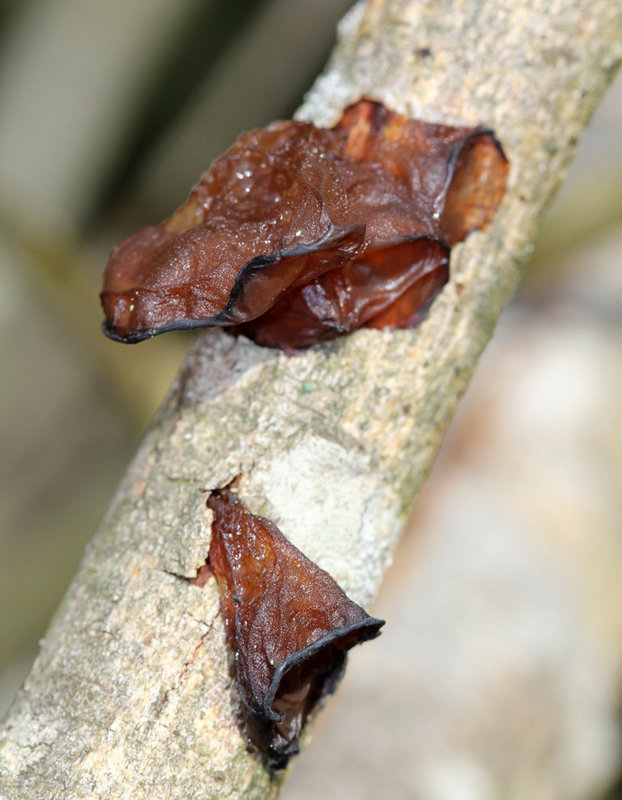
(287, 622)
(298, 234)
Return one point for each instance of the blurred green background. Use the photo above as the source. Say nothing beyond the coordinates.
(109, 112)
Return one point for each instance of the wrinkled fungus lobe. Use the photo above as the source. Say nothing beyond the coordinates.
(286, 620)
(298, 234)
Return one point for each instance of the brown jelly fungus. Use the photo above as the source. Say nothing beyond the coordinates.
(287, 621)
(299, 234)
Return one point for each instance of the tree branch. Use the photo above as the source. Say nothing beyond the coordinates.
(130, 695)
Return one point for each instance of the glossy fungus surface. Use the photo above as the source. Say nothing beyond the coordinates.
(298, 234)
(287, 621)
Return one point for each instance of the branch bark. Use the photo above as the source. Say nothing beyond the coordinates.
(130, 695)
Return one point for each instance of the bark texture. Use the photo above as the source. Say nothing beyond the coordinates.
(130, 695)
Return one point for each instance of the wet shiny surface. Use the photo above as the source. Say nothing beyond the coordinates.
(299, 234)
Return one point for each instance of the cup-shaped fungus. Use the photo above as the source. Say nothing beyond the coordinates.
(287, 621)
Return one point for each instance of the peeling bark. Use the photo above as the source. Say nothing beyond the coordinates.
(131, 695)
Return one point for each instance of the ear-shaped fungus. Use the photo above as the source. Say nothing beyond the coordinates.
(298, 234)
(287, 621)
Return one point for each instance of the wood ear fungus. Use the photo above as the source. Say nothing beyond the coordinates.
(298, 234)
(286, 620)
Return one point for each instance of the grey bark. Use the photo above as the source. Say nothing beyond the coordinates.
(130, 695)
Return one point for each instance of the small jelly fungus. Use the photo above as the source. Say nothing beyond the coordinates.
(287, 621)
